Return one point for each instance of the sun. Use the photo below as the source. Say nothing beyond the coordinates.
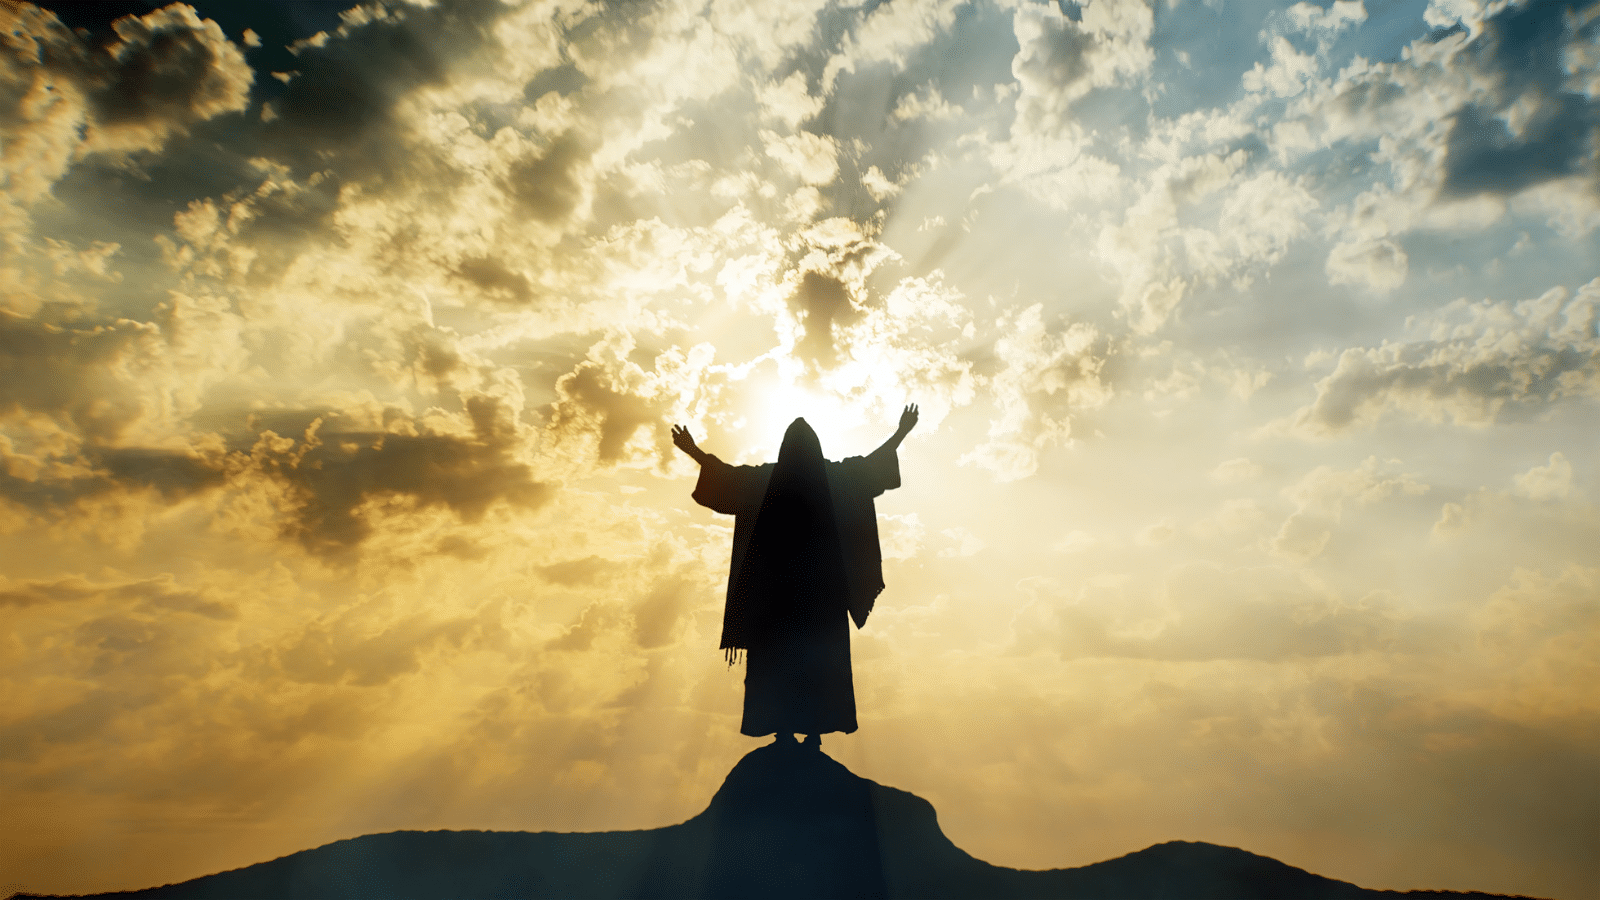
(775, 395)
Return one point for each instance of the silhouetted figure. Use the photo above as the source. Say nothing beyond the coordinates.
(805, 555)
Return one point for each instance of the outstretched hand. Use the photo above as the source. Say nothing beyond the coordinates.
(908, 418)
(683, 440)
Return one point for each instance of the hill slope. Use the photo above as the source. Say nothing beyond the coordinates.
(788, 822)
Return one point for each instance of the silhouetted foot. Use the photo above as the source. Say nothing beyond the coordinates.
(814, 741)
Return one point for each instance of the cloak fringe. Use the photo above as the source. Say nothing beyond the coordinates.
(733, 655)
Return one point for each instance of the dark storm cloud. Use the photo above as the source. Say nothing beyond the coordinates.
(332, 123)
(329, 474)
(563, 80)
(1523, 48)
(171, 474)
(168, 66)
(1484, 156)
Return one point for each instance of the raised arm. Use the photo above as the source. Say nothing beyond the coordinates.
(685, 442)
(908, 421)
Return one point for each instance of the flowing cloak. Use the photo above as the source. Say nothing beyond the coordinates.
(806, 560)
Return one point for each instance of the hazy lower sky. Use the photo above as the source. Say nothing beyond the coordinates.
(1254, 499)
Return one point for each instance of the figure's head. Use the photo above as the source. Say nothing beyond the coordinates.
(800, 442)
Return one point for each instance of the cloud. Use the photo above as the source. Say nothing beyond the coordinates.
(819, 300)
(589, 570)
(887, 33)
(1482, 111)
(1479, 362)
(551, 185)
(322, 484)
(343, 651)
(1321, 497)
(1287, 74)
(1378, 265)
(62, 99)
(1059, 59)
(159, 594)
(1532, 128)
(70, 372)
(1327, 22)
(607, 399)
(331, 474)
(1209, 613)
(495, 278)
(1547, 482)
(1199, 220)
(345, 99)
(1046, 374)
(1237, 470)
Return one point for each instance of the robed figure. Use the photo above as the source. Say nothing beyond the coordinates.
(805, 563)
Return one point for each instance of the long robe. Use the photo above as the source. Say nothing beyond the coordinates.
(806, 560)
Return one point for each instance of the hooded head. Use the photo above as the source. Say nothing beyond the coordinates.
(800, 444)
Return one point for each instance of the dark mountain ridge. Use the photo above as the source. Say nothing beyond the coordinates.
(788, 822)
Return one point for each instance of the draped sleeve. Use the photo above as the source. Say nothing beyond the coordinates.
(730, 489)
(854, 482)
(736, 491)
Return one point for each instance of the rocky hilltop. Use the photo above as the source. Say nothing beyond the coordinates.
(788, 822)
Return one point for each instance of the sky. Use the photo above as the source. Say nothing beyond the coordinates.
(1253, 501)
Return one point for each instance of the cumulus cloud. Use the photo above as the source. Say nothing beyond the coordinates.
(62, 99)
(1046, 374)
(70, 372)
(1060, 58)
(327, 477)
(1322, 496)
(1477, 363)
(332, 474)
(1378, 265)
(1482, 111)
(1548, 482)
